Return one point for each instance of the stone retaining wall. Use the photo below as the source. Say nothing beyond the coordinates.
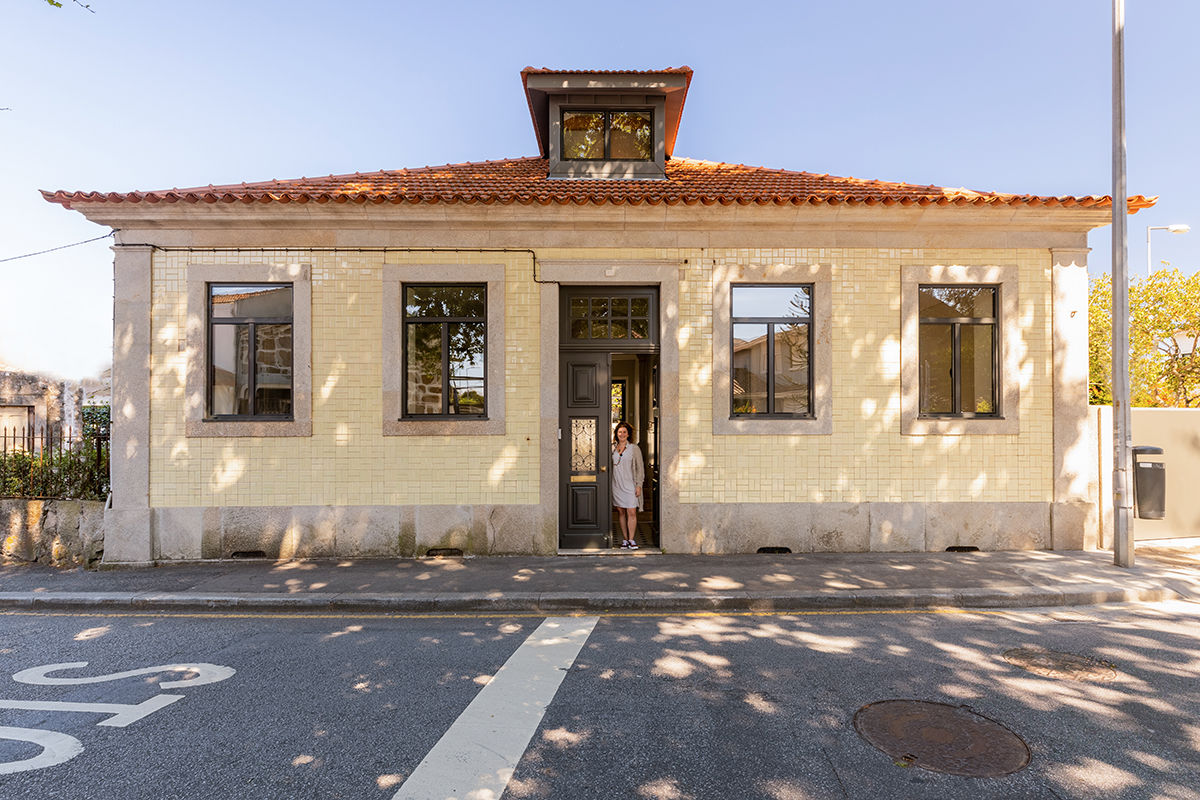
(61, 533)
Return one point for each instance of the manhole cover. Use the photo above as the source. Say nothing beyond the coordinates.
(1053, 664)
(941, 738)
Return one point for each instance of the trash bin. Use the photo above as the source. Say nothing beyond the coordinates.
(1149, 484)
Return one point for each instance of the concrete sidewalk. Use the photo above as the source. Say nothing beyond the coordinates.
(619, 582)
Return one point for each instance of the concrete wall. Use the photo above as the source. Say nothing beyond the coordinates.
(57, 532)
(1177, 432)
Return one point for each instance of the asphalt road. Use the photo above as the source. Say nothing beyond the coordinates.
(662, 707)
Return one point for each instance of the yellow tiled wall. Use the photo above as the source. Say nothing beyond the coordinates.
(348, 462)
(866, 458)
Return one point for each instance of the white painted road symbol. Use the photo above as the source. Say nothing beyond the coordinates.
(58, 748)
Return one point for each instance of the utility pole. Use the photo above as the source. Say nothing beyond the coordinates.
(1122, 494)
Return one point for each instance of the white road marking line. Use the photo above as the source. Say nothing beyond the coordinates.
(204, 673)
(56, 748)
(476, 757)
(123, 714)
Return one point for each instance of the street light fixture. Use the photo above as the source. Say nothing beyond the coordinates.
(1172, 229)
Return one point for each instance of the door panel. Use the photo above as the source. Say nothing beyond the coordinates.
(583, 451)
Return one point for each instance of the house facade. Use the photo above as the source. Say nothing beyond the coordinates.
(399, 362)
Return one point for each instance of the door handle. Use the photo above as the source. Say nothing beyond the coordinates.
(604, 469)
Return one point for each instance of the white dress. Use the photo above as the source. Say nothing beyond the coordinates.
(623, 487)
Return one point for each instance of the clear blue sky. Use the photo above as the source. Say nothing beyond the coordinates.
(1008, 96)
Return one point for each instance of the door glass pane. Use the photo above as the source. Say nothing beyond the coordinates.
(618, 401)
(750, 369)
(935, 362)
(791, 369)
(629, 135)
(772, 301)
(583, 134)
(230, 369)
(467, 346)
(423, 368)
(243, 301)
(273, 369)
(583, 445)
(955, 302)
(978, 390)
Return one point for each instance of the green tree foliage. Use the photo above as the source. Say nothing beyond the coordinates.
(1164, 331)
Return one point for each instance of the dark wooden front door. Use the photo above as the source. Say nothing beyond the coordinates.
(584, 450)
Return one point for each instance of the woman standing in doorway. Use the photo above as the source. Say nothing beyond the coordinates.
(628, 472)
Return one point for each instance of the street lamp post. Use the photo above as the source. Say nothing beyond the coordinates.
(1122, 499)
(1172, 229)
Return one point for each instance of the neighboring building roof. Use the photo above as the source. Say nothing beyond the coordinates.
(524, 181)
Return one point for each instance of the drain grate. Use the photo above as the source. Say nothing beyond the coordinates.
(941, 738)
(1053, 664)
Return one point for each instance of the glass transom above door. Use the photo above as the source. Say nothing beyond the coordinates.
(617, 317)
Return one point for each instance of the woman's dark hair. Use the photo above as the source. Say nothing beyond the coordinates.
(627, 427)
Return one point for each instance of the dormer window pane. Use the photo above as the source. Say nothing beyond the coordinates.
(583, 134)
(609, 135)
(629, 136)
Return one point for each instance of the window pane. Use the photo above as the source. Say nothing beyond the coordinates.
(599, 312)
(640, 306)
(951, 302)
(791, 369)
(445, 301)
(629, 135)
(978, 392)
(639, 329)
(936, 361)
(772, 301)
(273, 369)
(230, 369)
(579, 329)
(251, 301)
(750, 369)
(423, 368)
(620, 306)
(583, 134)
(579, 307)
(467, 347)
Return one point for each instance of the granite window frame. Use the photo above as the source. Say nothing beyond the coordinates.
(395, 422)
(197, 422)
(820, 278)
(1010, 345)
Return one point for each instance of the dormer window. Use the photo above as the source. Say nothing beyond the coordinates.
(607, 126)
(609, 134)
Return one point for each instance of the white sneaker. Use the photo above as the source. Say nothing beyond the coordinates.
(633, 546)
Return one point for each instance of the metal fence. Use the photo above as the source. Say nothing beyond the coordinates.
(44, 463)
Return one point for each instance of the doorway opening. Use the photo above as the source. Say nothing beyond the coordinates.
(609, 370)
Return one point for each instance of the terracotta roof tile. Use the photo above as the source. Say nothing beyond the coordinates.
(525, 181)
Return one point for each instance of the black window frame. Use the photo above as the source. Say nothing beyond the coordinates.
(771, 322)
(956, 324)
(406, 321)
(253, 322)
(608, 111)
